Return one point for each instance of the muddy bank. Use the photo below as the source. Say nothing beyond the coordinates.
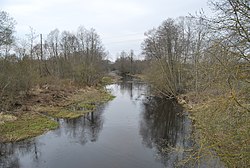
(36, 113)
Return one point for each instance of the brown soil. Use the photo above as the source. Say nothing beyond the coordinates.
(46, 95)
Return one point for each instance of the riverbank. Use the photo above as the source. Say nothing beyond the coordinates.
(35, 114)
(221, 128)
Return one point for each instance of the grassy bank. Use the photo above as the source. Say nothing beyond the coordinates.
(221, 129)
(110, 78)
(25, 126)
(34, 117)
(84, 101)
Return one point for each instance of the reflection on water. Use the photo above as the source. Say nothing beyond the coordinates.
(83, 129)
(135, 90)
(9, 159)
(80, 130)
(133, 130)
(165, 127)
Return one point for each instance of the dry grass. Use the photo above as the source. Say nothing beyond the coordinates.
(84, 101)
(59, 112)
(30, 121)
(222, 129)
(6, 118)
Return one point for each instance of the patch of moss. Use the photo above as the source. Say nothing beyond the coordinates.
(26, 126)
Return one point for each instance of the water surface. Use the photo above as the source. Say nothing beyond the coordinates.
(131, 131)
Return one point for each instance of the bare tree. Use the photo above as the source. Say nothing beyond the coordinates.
(7, 25)
(53, 42)
(163, 46)
(233, 25)
(32, 37)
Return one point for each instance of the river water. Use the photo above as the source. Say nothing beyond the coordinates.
(132, 131)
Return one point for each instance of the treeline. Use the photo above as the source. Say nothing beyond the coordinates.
(128, 64)
(78, 57)
(208, 60)
(199, 53)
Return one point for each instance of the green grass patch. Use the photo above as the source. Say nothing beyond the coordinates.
(86, 106)
(26, 126)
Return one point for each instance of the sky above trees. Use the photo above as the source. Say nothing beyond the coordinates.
(120, 23)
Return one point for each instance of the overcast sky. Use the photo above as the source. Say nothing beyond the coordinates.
(120, 23)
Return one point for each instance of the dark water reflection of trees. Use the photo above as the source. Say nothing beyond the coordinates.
(8, 157)
(164, 128)
(86, 128)
(134, 89)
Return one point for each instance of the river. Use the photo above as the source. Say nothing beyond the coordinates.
(132, 131)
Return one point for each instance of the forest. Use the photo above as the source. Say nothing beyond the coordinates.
(202, 62)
